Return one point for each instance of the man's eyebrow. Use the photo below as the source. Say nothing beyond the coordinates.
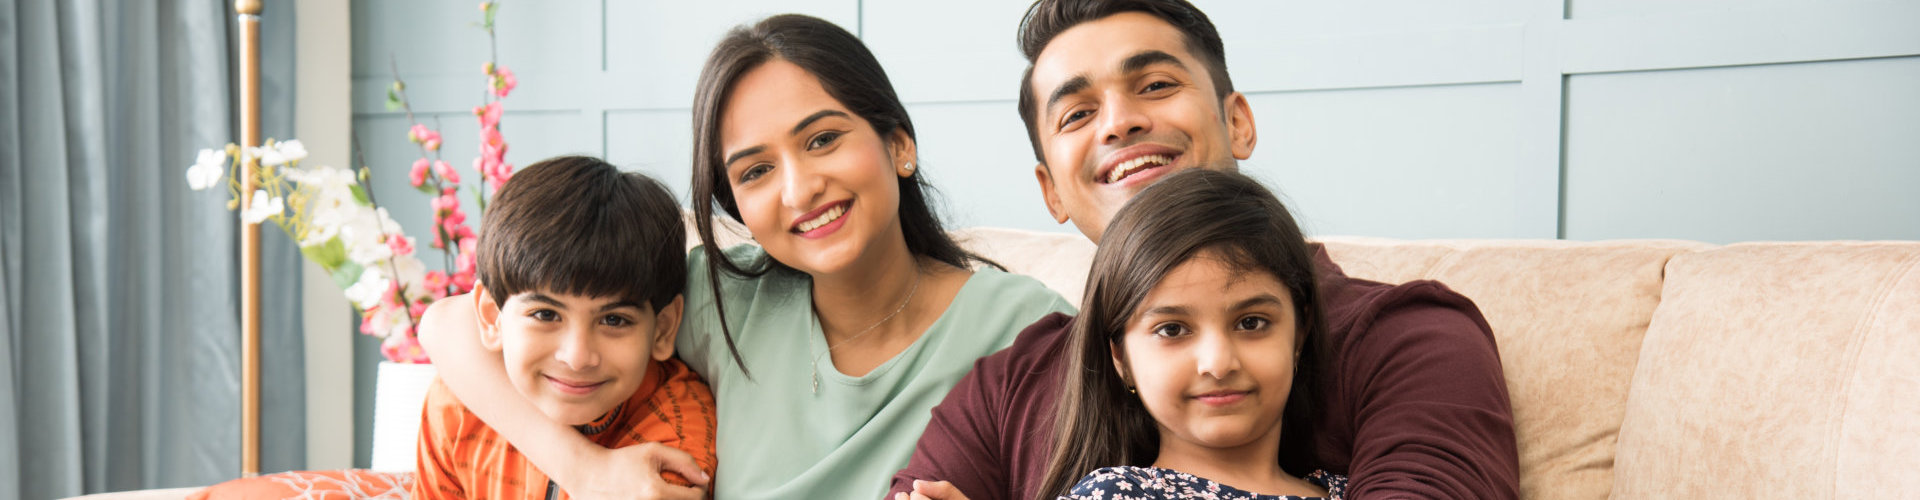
(816, 116)
(1146, 58)
(1072, 86)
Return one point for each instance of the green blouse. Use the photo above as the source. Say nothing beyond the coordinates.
(777, 438)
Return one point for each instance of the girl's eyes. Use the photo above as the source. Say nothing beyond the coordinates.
(1169, 330)
(823, 140)
(1253, 323)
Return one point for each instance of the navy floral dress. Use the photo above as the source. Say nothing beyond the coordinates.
(1153, 483)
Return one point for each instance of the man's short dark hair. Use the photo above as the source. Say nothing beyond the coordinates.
(579, 226)
(1046, 19)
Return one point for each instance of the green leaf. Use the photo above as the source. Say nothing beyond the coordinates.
(347, 274)
(427, 187)
(492, 8)
(393, 101)
(360, 195)
(329, 255)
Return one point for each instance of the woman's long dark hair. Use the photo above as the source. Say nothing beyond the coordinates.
(1097, 422)
(850, 75)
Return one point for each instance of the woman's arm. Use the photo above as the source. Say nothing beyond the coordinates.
(478, 377)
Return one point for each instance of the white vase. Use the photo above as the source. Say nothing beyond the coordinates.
(399, 393)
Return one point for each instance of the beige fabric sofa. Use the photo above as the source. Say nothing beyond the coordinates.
(1662, 369)
(1666, 369)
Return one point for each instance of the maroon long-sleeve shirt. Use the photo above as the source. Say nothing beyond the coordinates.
(1416, 404)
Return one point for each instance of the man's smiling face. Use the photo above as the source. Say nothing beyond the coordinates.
(1122, 101)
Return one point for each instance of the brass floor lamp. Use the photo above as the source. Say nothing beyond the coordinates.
(249, 18)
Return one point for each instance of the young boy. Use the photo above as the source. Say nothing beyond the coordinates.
(581, 269)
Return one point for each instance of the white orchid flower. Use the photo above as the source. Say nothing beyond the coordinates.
(283, 153)
(366, 292)
(207, 170)
(262, 208)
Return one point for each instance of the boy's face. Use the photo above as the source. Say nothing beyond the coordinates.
(576, 357)
(1120, 103)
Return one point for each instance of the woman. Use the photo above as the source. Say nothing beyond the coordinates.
(850, 320)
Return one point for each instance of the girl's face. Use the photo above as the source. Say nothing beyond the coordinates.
(1211, 351)
(815, 184)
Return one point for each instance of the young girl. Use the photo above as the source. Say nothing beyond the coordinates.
(1189, 364)
(829, 341)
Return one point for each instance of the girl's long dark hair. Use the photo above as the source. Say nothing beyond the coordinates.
(851, 76)
(1097, 422)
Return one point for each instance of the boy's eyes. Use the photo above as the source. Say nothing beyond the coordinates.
(616, 321)
(612, 320)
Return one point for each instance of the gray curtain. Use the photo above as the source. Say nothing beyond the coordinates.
(119, 297)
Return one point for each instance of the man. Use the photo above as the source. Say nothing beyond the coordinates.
(1118, 94)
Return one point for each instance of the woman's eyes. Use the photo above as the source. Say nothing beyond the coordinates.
(753, 172)
(823, 140)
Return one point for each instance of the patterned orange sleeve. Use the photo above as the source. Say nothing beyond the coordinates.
(440, 424)
(679, 414)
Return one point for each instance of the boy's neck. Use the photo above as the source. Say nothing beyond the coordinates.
(603, 422)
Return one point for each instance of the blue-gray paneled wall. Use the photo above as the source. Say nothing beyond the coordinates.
(1711, 120)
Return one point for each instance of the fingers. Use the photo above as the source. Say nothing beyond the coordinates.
(674, 460)
(935, 490)
(677, 492)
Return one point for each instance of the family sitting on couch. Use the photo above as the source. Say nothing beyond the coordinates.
(856, 350)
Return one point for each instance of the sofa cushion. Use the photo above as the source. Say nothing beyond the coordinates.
(1058, 260)
(1779, 370)
(1568, 318)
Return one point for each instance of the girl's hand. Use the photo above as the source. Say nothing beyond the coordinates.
(932, 490)
(634, 472)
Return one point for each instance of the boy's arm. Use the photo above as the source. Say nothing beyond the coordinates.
(478, 377)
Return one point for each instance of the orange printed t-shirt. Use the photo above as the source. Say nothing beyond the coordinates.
(461, 457)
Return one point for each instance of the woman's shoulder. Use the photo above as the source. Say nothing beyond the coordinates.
(1016, 292)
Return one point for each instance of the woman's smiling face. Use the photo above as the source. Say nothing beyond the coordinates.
(815, 183)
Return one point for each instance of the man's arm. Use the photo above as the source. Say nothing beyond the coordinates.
(961, 444)
(478, 377)
(990, 435)
(1431, 414)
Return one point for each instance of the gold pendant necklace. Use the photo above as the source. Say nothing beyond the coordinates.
(815, 373)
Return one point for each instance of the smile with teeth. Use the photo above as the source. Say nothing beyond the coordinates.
(826, 217)
(1128, 167)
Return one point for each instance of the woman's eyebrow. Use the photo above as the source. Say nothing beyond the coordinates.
(742, 154)
(816, 116)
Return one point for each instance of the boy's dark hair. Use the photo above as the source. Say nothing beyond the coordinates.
(1046, 19)
(577, 225)
(1097, 422)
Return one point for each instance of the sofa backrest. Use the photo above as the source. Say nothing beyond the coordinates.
(1785, 370)
(1568, 317)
